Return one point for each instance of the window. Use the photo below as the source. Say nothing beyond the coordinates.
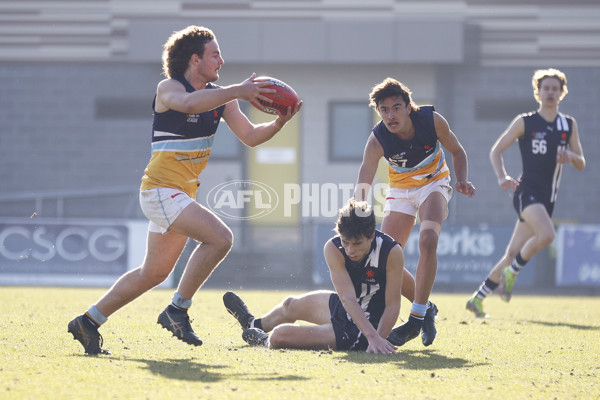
(350, 126)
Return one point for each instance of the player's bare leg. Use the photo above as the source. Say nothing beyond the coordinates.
(537, 219)
(162, 252)
(292, 336)
(216, 240)
(522, 232)
(432, 213)
(399, 225)
(311, 307)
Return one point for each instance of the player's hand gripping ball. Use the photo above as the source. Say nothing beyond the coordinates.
(284, 97)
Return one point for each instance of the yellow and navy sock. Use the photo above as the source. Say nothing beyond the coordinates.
(180, 303)
(94, 318)
(417, 313)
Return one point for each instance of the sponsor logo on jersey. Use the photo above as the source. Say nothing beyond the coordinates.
(193, 118)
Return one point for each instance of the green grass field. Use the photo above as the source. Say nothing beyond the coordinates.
(531, 348)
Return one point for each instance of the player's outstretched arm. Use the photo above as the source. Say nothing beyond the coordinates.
(172, 95)
(459, 157)
(393, 290)
(373, 152)
(255, 134)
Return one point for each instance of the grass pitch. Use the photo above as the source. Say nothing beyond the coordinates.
(531, 348)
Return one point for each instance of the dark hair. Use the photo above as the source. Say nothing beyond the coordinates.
(390, 87)
(356, 219)
(541, 74)
(181, 45)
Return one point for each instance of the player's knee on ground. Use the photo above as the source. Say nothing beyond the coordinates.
(281, 337)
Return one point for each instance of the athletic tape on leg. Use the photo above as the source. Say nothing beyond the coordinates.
(435, 226)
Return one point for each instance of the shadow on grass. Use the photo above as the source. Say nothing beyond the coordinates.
(566, 325)
(190, 370)
(412, 359)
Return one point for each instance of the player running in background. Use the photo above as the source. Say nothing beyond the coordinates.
(543, 138)
(187, 110)
(411, 139)
(366, 270)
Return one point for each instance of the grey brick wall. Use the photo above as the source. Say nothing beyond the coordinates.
(51, 138)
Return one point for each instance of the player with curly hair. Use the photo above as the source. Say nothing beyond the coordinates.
(187, 107)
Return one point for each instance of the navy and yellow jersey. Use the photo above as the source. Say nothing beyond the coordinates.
(539, 145)
(181, 146)
(369, 275)
(418, 161)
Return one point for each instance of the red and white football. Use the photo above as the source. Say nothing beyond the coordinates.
(284, 97)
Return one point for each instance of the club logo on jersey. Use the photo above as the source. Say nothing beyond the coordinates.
(398, 160)
(193, 118)
(370, 276)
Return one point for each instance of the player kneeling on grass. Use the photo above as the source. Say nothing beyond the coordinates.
(366, 269)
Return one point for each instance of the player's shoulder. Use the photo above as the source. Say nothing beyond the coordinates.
(518, 122)
(387, 239)
(527, 115)
(567, 116)
(333, 243)
(169, 84)
(427, 109)
(168, 81)
(211, 85)
(379, 128)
